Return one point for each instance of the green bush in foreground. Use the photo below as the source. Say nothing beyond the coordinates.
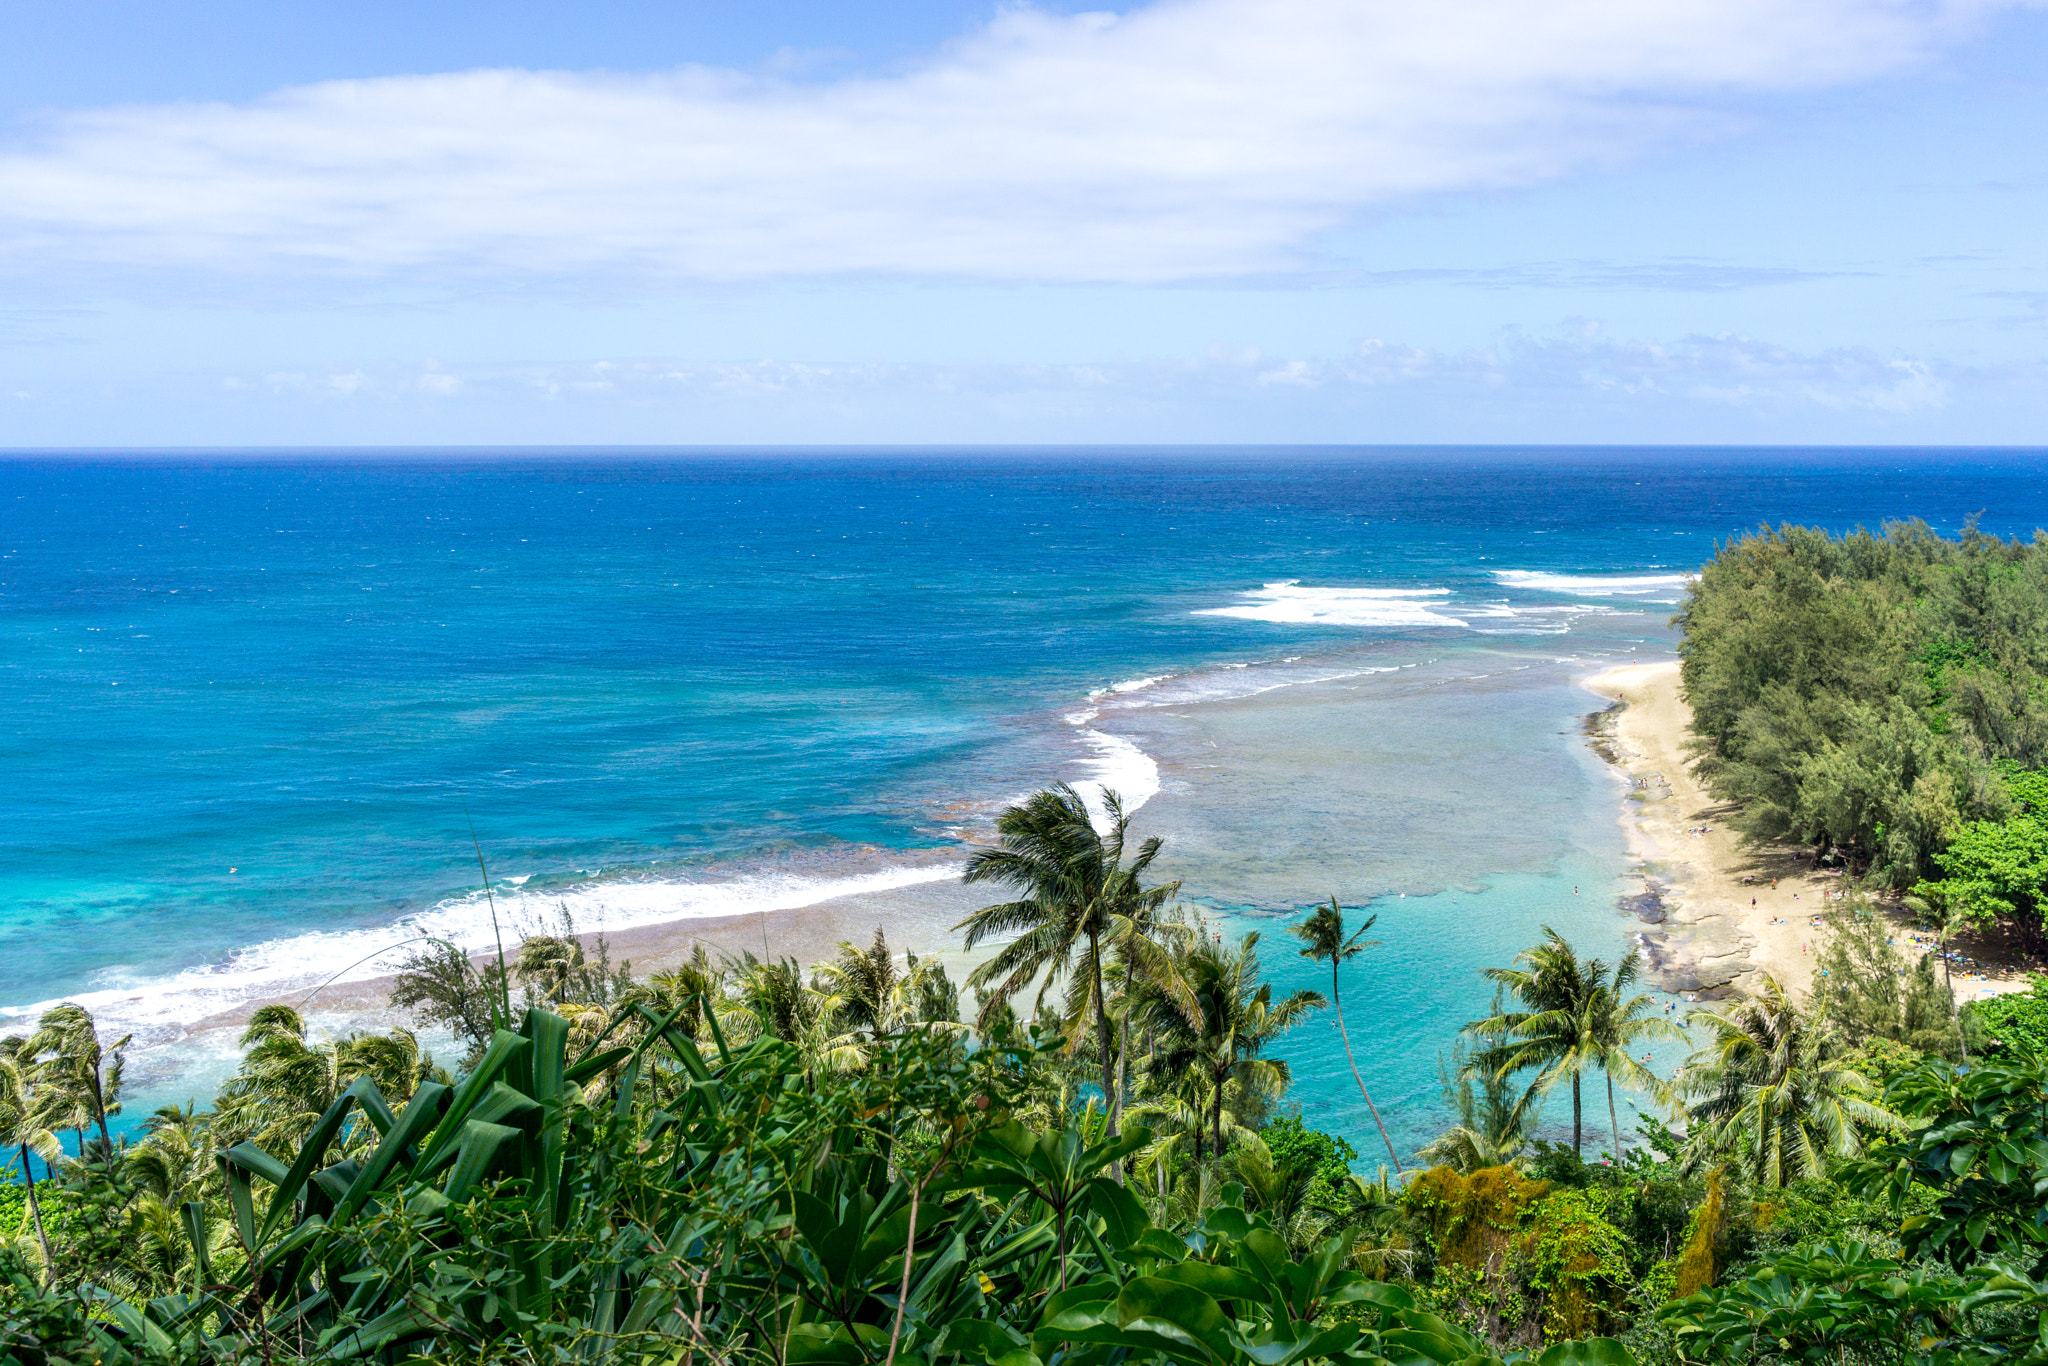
(642, 1202)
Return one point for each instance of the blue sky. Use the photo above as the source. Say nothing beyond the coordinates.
(1205, 220)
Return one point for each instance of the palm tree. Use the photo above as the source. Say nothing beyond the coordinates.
(871, 995)
(287, 1081)
(1575, 1019)
(1771, 1088)
(550, 960)
(1620, 1027)
(1280, 1192)
(174, 1161)
(23, 1129)
(1238, 1019)
(686, 990)
(72, 1062)
(1149, 985)
(1554, 1033)
(1078, 896)
(772, 997)
(1323, 937)
(173, 1164)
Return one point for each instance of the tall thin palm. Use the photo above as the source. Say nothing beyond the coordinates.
(1239, 1019)
(1079, 897)
(1771, 1089)
(24, 1129)
(1554, 1033)
(1620, 1027)
(1323, 937)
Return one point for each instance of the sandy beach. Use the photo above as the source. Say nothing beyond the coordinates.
(1719, 910)
(919, 919)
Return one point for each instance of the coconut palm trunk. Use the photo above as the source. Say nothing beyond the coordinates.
(1111, 1101)
(1337, 1004)
(1116, 1105)
(35, 1210)
(1324, 936)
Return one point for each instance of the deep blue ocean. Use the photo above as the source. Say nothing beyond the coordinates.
(252, 701)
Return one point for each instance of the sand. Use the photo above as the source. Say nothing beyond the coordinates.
(1723, 910)
(919, 919)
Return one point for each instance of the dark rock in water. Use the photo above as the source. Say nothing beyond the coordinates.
(1681, 963)
(1599, 729)
(1646, 905)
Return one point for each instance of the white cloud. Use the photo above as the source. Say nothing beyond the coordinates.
(1185, 139)
(1571, 369)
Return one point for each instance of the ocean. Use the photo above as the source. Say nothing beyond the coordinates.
(254, 701)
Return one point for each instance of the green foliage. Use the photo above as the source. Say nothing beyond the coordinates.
(1821, 1212)
(2017, 1023)
(1844, 1302)
(1293, 1143)
(1867, 990)
(1882, 1061)
(1773, 1091)
(1994, 869)
(1578, 1262)
(1859, 690)
(719, 1206)
(1981, 1146)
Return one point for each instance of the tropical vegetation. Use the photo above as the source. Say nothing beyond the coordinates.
(1883, 697)
(741, 1161)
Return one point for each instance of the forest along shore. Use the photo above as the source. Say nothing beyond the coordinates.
(1717, 909)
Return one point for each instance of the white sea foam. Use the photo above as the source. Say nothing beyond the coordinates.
(157, 1007)
(1116, 765)
(1650, 587)
(1290, 603)
(1193, 689)
(1128, 685)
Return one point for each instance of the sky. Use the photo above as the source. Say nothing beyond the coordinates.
(930, 221)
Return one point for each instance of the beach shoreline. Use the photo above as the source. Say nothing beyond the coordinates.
(1719, 911)
(916, 919)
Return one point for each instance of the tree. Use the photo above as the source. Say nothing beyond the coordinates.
(1772, 1089)
(70, 1060)
(772, 997)
(1621, 1026)
(1867, 990)
(287, 1081)
(23, 1129)
(1493, 1123)
(440, 985)
(1323, 938)
(869, 994)
(1238, 1020)
(1078, 897)
(1555, 1032)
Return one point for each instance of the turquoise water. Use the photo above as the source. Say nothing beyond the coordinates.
(248, 698)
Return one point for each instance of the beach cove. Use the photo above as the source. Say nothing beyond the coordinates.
(1724, 910)
(768, 703)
